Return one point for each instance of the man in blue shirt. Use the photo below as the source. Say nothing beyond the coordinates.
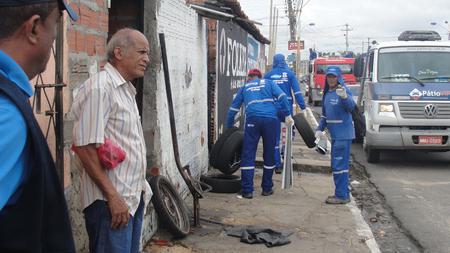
(286, 80)
(261, 118)
(337, 108)
(27, 34)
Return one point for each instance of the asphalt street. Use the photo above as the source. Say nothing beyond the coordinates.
(416, 186)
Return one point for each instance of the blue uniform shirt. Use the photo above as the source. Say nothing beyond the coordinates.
(259, 97)
(13, 131)
(337, 112)
(286, 80)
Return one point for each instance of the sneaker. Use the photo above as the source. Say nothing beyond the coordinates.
(278, 170)
(248, 195)
(333, 200)
(267, 193)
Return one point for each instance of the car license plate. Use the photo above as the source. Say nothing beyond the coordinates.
(430, 139)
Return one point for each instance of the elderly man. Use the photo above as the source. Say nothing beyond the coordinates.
(33, 211)
(104, 106)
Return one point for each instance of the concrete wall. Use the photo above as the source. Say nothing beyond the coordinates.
(186, 42)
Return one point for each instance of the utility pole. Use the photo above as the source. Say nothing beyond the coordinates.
(292, 20)
(346, 30)
(270, 33)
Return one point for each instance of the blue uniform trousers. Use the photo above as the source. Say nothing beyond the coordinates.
(255, 127)
(340, 159)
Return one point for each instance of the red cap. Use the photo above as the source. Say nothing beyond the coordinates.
(255, 72)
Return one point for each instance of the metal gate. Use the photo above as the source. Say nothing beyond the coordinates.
(55, 113)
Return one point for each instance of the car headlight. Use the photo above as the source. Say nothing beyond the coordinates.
(386, 108)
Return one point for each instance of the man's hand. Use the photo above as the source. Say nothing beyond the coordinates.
(119, 212)
(319, 134)
(341, 92)
(289, 120)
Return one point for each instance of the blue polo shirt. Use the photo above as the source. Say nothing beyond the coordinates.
(13, 131)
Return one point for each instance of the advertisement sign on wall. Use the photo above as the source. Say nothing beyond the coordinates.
(231, 67)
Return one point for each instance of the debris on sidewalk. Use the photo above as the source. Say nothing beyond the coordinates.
(268, 236)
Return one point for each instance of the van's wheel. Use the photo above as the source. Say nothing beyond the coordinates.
(372, 155)
(170, 208)
(360, 125)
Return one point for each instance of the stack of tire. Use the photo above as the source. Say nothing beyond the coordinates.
(226, 157)
(226, 152)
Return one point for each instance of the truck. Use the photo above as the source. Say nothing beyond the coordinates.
(317, 70)
(405, 95)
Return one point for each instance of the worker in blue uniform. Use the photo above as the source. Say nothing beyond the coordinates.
(261, 118)
(337, 118)
(287, 81)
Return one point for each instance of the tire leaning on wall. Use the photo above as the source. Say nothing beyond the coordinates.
(169, 206)
(215, 151)
(229, 160)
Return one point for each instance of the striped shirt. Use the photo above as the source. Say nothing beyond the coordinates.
(105, 106)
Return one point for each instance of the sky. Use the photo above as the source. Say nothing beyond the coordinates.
(380, 20)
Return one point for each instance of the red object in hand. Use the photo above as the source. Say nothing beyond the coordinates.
(110, 154)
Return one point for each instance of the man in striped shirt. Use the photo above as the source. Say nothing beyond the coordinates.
(105, 107)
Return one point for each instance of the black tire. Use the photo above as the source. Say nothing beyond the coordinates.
(218, 145)
(360, 125)
(310, 101)
(169, 206)
(229, 159)
(304, 129)
(222, 183)
(372, 155)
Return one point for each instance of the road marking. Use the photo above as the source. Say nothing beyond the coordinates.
(362, 228)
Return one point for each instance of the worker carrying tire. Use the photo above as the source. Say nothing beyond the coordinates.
(337, 108)
(261, 118)
(287, 81)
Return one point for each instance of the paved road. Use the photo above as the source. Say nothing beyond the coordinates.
(416, 186)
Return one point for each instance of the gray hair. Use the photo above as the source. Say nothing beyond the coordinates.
(121, 39)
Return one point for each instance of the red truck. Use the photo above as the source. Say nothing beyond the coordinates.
(317, 70)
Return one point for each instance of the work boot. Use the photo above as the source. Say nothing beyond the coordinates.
(267, 193)
(333, 200)
(247, 195)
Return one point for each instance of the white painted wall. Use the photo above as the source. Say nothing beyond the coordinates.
(186, 42)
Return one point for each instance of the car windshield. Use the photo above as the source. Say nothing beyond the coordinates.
(345, 68)
(425, 64)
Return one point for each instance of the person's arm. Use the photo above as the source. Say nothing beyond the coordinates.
(323, 118)
(281, 98)
(297, 93)
(117, 206)
(89, 130)
(13, 131)
(234, 108)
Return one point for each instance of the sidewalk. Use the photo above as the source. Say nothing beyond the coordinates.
(316, 227)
